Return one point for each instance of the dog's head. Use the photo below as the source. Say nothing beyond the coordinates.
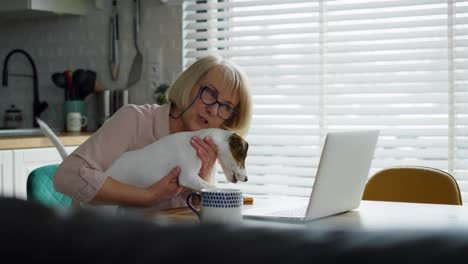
(232, 157)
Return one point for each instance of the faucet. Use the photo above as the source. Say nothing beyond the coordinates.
(38, 107)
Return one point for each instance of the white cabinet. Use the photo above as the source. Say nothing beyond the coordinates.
(6, 173)
(26, 160)
(15, 166)
(28, 7)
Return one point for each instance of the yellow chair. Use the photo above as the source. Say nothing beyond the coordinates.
(413, 184)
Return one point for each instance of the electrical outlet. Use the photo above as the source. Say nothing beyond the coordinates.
(154, 75)
(154, 56)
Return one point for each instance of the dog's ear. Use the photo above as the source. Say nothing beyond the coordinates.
(238, 148)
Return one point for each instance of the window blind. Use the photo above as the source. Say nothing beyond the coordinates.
(459, 89)
(318, 66)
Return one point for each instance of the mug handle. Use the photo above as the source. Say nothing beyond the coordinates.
(189, 202)
(84, 121)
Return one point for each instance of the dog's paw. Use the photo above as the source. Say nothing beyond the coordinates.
(210, 186)
(197, 185)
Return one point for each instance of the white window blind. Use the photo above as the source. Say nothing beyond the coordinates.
(459, 89)
(318, 66)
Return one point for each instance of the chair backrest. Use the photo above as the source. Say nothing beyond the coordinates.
(413, 184)
(40, 187)
(45, 129)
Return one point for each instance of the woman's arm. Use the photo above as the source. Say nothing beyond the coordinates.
(82, 174)
(114, 191)
(89, 186)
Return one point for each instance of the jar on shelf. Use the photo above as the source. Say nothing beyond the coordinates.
(12, 118)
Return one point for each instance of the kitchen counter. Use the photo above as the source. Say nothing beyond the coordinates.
(20, 142)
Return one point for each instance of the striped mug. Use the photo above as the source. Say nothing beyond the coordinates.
(218, 205)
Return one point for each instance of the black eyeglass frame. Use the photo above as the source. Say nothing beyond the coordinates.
(204, 87)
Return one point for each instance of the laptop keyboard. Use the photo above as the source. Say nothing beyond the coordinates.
(298, 211)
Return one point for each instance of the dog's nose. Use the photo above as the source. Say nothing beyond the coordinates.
(246, 179)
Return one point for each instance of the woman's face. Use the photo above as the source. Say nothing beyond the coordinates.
(200, 115)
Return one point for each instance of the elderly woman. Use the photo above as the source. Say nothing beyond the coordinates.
(211, 93)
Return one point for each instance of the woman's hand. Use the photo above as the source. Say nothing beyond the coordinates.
(166, 188)
(206, 152)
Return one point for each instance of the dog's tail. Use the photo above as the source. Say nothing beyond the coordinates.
(52, 137)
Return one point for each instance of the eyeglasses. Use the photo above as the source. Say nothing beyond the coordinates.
(210, 97)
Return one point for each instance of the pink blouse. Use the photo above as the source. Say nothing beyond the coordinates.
(81, 174)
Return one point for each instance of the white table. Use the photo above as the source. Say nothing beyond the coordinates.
(373, 215)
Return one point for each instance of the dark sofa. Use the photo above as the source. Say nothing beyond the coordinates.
(32, 233)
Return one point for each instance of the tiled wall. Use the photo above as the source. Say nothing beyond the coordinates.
(72, 42)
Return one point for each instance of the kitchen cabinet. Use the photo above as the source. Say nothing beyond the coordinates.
(27, 9)
(26, 160)
(15, 166)
(6, 173)
(20, 155)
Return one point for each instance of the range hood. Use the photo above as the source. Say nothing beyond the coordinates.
(32, 9)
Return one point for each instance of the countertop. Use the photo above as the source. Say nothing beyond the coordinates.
(20, 142)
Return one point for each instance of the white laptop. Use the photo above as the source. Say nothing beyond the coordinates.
(339, 184)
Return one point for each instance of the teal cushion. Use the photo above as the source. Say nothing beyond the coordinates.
(40, 187)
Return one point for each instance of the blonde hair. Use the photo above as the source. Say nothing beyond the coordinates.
(236, 81)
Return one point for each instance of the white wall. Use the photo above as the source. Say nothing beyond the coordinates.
(71, 42)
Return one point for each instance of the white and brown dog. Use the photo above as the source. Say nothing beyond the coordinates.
(143, 167)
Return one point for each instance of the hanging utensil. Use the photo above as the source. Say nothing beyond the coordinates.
(114, 58)
(69, 93)
(136, 69)
(58, 78)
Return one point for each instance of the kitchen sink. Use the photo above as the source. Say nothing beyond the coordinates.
(22, 132)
